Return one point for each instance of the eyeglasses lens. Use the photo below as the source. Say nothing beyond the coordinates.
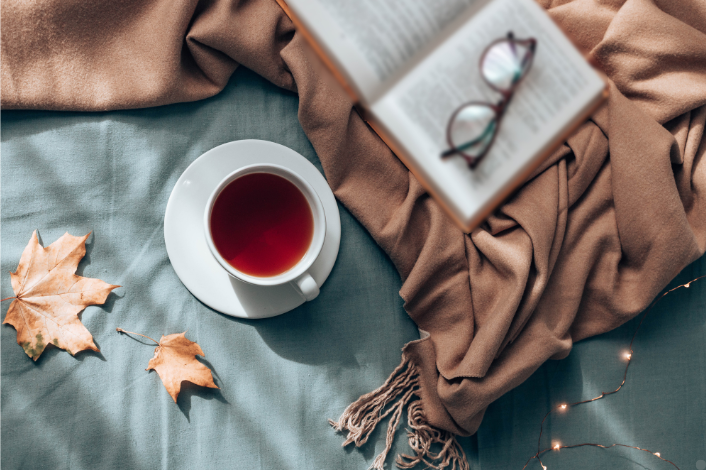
(505, 63)
(472, 129)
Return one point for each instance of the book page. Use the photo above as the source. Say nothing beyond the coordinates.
(373, 40)
(558, 88)
(389, 33)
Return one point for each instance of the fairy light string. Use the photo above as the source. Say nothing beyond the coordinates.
(556, 446)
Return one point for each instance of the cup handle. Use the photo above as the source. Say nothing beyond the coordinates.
(306, 286)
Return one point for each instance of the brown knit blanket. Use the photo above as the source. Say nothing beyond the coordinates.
(584, 246)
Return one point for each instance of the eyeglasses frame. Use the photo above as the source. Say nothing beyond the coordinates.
(498, 108)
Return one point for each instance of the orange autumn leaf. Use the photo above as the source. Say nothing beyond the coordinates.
(49, 297)
(175, 362)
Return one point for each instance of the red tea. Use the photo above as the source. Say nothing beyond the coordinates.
(262, 224)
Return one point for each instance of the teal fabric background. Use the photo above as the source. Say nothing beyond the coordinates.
(280, 378)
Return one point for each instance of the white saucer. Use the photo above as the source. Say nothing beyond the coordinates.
(186, 242)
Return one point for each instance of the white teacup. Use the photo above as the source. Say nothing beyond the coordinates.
(298, 275)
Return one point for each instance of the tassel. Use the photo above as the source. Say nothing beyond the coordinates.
(421, 437)
(362, 416)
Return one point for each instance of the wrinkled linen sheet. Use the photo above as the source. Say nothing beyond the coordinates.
(584, 246)
(282, 377)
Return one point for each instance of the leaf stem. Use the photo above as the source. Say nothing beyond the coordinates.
(7, 298)
(120, 330)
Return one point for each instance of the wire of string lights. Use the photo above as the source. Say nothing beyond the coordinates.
(565, 406)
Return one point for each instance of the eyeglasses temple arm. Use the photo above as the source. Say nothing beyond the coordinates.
(471, 143)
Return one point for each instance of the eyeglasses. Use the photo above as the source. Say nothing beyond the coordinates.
(474, 125)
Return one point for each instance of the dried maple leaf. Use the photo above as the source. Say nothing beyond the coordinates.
(175, 362)
(49, 296)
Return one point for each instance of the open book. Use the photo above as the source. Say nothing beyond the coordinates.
(411, 64)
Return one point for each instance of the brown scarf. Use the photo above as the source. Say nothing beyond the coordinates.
(586, 243)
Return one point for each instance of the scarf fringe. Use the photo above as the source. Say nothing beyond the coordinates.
(400, 389)
(421, 437)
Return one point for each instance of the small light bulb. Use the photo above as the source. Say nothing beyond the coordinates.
(544, 467)
(687, 285)
(557, 446)
(628, 356)
(563, 407)
(658, 454)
